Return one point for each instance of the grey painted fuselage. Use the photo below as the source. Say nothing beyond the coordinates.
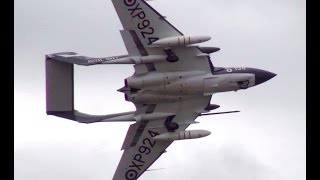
(157, 87)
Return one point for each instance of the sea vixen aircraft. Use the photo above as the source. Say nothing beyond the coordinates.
(172, 84)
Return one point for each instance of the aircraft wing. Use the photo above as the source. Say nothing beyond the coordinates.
(140, 149)
(143, 25)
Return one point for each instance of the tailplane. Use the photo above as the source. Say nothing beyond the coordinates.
(60, 95)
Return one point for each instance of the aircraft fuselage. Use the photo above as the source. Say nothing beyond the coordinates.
(177, 86)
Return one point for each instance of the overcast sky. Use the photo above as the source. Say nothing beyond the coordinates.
(265, 141)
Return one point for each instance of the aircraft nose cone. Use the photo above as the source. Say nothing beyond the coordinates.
(263, 76)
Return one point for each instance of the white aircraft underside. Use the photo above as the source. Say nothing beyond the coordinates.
(172, 85)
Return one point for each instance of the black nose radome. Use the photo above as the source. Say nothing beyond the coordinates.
(263, 76)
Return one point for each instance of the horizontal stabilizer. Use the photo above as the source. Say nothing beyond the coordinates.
(59, 86)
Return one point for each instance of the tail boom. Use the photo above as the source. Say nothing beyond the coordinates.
(60, 95)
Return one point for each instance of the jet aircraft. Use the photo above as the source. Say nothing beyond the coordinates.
(172, 84)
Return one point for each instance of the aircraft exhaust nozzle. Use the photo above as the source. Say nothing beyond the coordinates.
(182, 135)
(181, 40)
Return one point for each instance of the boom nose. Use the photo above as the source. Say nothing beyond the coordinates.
(263, 76)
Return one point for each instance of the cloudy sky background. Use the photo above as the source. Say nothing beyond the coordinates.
(266, 140)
